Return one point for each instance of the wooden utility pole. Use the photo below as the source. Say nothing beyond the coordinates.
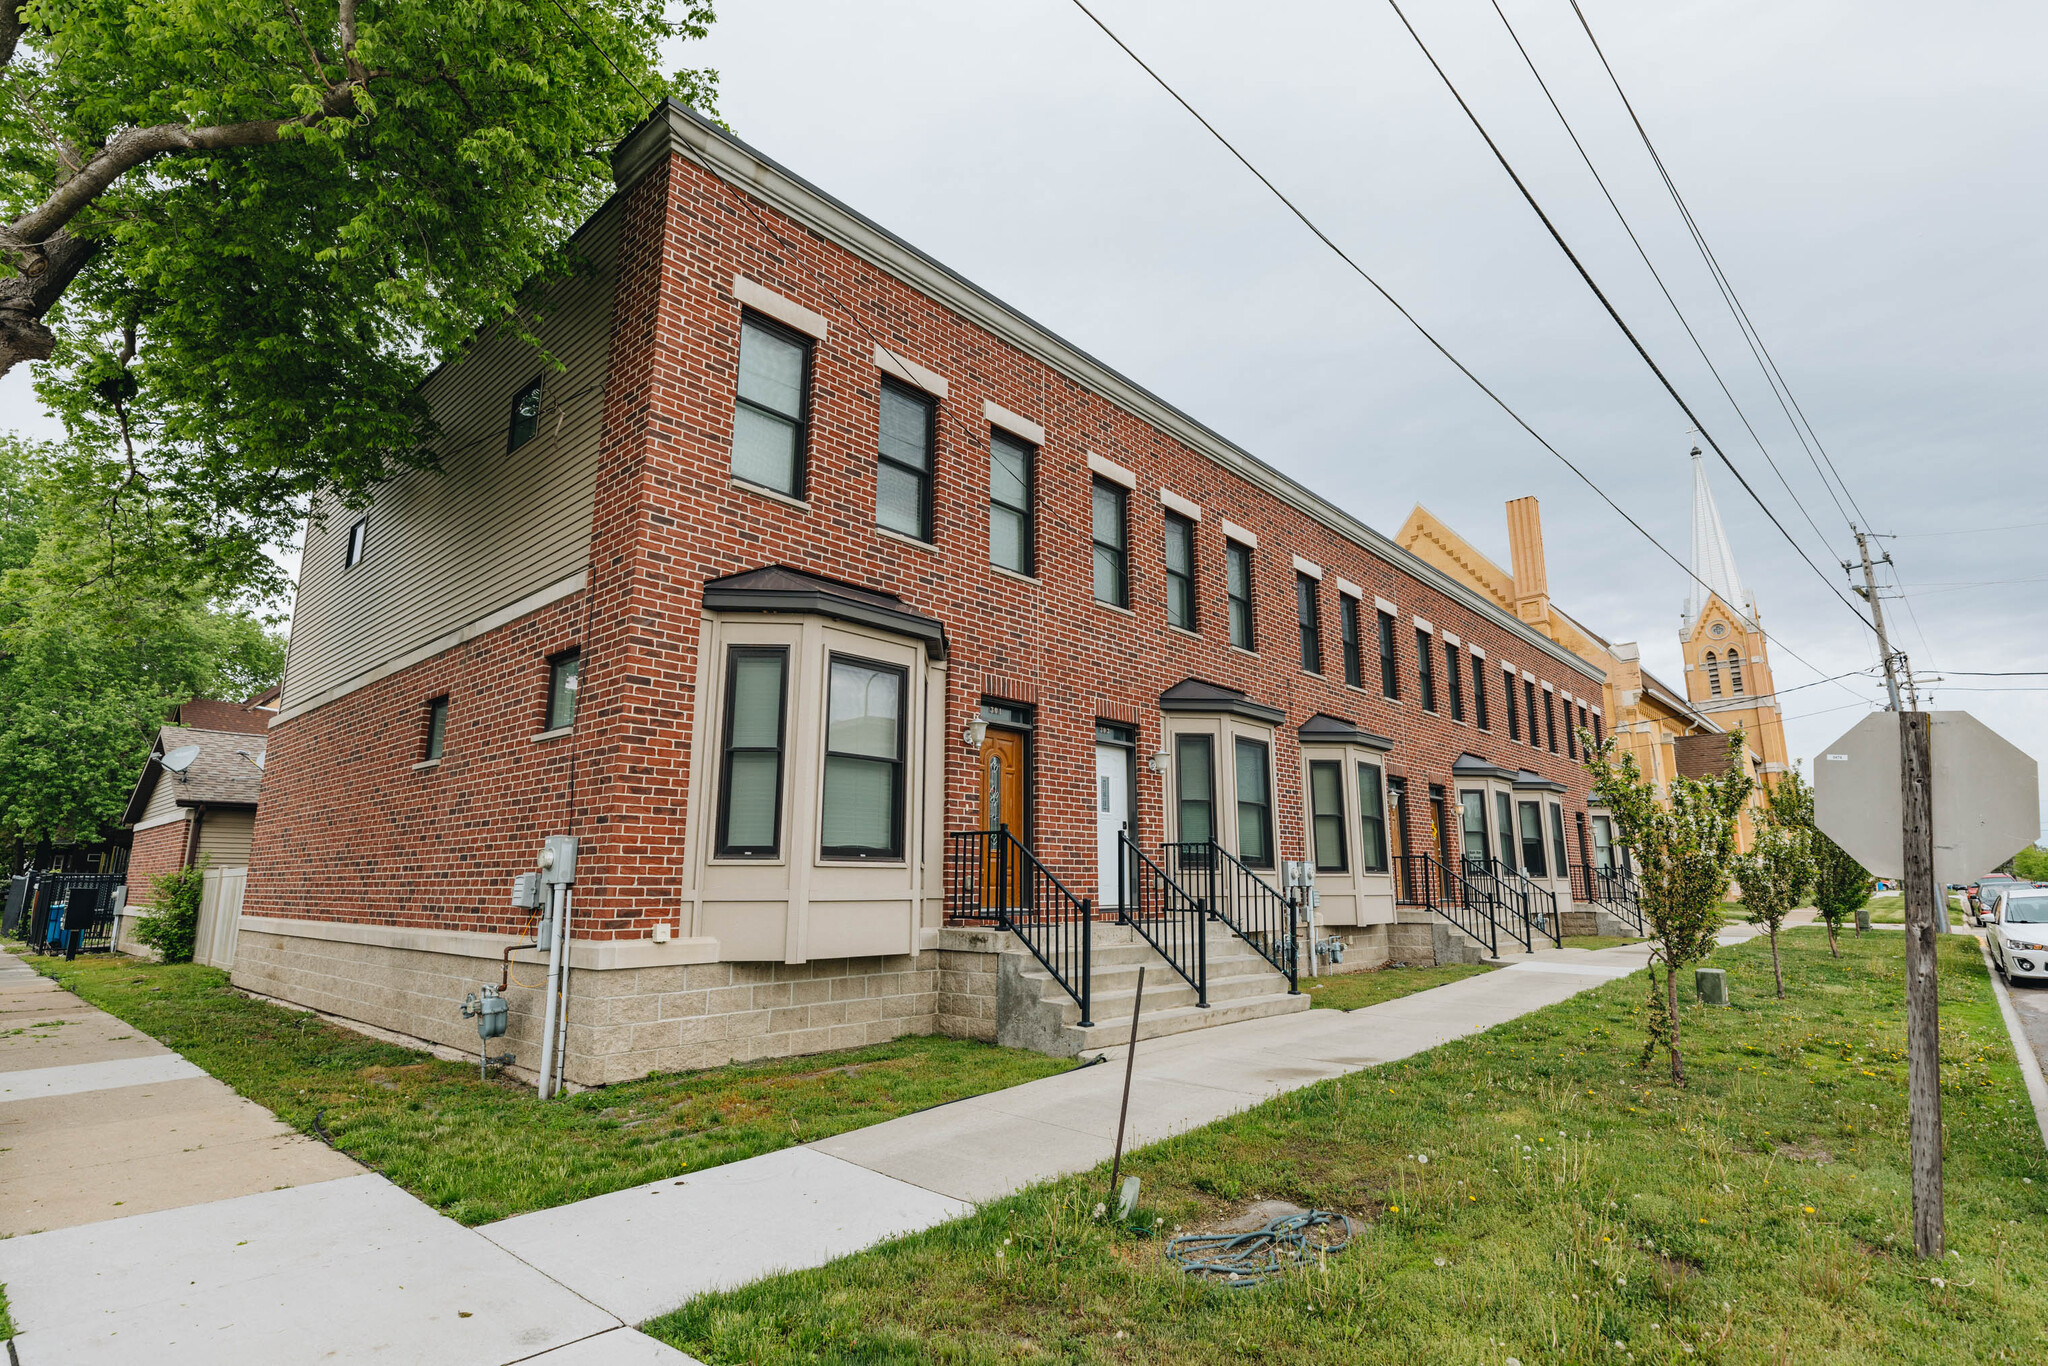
(1923, 1006)
(1884, 646)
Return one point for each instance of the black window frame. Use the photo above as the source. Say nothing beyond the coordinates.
(899, 765)
(520, 427)
(1529, 696)
(358, 543)
(1375, 819)
(1028, 514)
(1268, 826)
(1120, 552)
(1316, 818)
(801, 474)
(1479, 667)
(1571, 737)
(724, 846)
(1237, 554)
(1454, 680)
(1504, 828)
(1508, 686)
(1352, 646)
(437, 729)
(926, 477)
(1550, 720)
(1425, 670)
(1390, 658)
(565, 679)
(1185, 578)
(1560, 853)
(1599, 730)
(1181, 800)
(1308, 614)
(1537, 867)
(1585, 727)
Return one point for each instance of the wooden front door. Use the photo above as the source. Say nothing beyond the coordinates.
(1004, 794)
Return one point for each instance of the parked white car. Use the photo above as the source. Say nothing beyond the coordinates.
(2019, 932)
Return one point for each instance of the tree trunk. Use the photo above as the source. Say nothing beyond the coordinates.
(1833, 947)
(24, 298)
(1671, 1018)
(1777, 968)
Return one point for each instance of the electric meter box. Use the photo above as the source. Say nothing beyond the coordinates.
(526, 894)
(558, 860)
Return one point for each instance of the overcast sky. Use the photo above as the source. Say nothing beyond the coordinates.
(1868, 175)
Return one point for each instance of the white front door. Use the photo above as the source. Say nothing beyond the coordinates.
(1112, 816)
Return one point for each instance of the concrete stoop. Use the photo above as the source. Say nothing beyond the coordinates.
(1034, 1011)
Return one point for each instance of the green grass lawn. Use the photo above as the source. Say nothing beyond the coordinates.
(1569, 1202)
(1350, 990)
(1890, 909)
(480, 1150)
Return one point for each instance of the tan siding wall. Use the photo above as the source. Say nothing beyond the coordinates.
(224, 838)
(164, 800)
(446, 547)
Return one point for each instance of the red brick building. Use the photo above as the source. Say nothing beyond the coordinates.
(809, 556)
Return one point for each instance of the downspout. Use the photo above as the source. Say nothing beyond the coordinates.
(192, 838)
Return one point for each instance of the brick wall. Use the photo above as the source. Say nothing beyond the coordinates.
(156, 851)
(351, 830)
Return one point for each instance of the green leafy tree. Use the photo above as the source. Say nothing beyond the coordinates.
(1778, 869)
(1841, 887)
(1685, 853)
(111, 613)
(242, 233)
(2031, 863)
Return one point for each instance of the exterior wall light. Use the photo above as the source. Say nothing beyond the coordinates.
(975, 733)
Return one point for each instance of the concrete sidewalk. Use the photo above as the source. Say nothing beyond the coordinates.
(353, 1268)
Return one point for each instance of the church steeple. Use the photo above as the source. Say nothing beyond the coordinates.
(1713, 559)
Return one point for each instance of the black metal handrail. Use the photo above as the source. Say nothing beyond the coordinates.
(1469, 903)
(992, 878)
(1522, 895)
(1260, 914)
(1614, 888)
(1172, 919)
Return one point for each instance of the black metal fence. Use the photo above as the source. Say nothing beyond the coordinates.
(992, 878)
(1519, 895)
(1172, 919)
(65, 913)
(1427, 881)
(1260, 914)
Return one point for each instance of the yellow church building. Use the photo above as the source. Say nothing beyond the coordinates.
(1670, 730)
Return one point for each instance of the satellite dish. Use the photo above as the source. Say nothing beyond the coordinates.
(180, 759)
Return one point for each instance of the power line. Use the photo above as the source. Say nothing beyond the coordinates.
(1683, 321)
(1959, 531)
(1615, 314)
(1414, 322)
(1758, 348)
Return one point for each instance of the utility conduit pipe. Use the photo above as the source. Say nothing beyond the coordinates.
(554, 950)
(562, 1009)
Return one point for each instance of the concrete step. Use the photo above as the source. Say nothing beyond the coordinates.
(1108, 1032)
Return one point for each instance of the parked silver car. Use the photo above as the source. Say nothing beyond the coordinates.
(2019, 931)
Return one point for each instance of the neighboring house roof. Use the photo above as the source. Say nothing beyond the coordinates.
(227, 771)
(207, 713)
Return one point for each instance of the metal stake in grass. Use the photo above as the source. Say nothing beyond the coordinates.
(1130, 1060)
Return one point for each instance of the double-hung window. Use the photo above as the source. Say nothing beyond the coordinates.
(1582, 719)
(1425, 670)
(1308, 609)
(863, 808)
(1009, 501)
(1238, 585)
(1472, 824)
(1112, 556)
(1254, 804)
(437, 727)
(1180, 572)
(1559, 863)
(1550, 719)
(358, 543)
(1529, 696)
(1504, 828)
(1514, 707)
(1372, 821)
(1571, 737)
(1454, 680)
(772, 408)
(1194, 780)
(1532, 840)
(1599, 731)
(1479, 692)
(750, 764)
(565, 676)
(1347, 623)
(903, 467)
(525, 424)
(1326, 816)
(1390, 664)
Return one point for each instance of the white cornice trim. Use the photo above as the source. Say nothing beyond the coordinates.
(675, 129)
(511, 612)
(601, 955)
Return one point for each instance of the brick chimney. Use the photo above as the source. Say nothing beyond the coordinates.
(1525, 550)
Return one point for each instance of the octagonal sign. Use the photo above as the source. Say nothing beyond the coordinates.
(1986, 796)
